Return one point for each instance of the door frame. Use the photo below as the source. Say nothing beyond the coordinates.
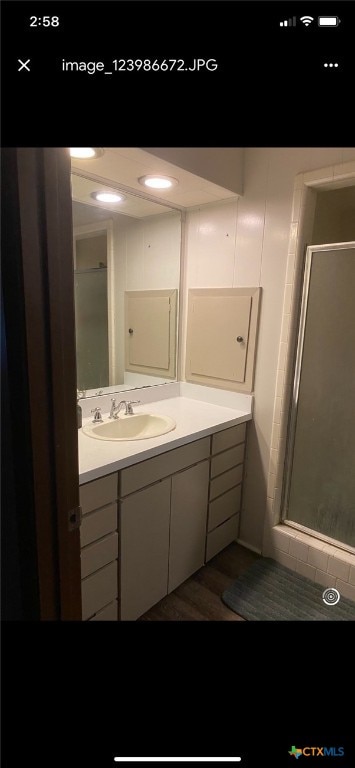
(291, 434)
(39, 313)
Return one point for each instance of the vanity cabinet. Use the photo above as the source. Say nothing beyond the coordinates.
(150, 526)
(162, 526)
(225, 488)
(99, 549)
(144, 529)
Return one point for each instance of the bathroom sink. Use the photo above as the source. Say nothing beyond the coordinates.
(140, 426)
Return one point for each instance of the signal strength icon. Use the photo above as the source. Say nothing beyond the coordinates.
(288, 22)
(306, 20)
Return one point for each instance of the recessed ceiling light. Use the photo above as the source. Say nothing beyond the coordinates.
(107, 197)
(158, 182)
(86, 153)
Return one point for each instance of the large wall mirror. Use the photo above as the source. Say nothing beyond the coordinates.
(127, 275)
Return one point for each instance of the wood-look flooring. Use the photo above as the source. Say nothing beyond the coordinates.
(199, 598)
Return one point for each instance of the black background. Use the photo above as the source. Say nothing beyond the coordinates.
(271, 87)
(78, 694)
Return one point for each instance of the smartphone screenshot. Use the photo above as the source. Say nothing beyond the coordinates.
(178, 416)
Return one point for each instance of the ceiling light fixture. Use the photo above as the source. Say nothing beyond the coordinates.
(86, 153)
(107, 197)
(158, 182)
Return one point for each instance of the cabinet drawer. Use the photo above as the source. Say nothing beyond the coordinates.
(109, 613)
(228, 437)
(97, 555)
(99, 493)
(147, 472)
(98, 524)
(222, 536)
(224, 507)
(98, 590)
(226, 460)
(226, 481)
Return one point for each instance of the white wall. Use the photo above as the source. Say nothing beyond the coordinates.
(151, 249)
(245, 243)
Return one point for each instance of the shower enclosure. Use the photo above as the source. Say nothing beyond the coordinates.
(319, 488)
(91, 328)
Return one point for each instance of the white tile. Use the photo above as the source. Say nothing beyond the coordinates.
(320, 176)
(347, 557)
(299, 550)
(280, 383)
(352, 575)
(333, 551)
(285, 559)
(275, 437)
(290, 269)
(310, 540)
(216, 245)
(318, 558)
(345, 170)
(347, 154)
(326, 579)
(282, 356)
(280, 540)
(293, 237)
(338, 568)
(274, 461)
(251, 218)
(345, 589)
(271, 486)
(285, 328)
(299, 182)
(296, 204)
(269, 506)
(306, 570)
(277, 410)
(287, 299)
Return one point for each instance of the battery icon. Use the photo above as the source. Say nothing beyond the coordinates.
(328, 21)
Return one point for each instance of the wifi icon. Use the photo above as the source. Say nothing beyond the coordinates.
(306, 20)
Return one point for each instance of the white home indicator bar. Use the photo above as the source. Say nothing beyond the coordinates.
(328, 21)
(177, 759)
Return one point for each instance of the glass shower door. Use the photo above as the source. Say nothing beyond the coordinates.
(91, 328)
(320, 486)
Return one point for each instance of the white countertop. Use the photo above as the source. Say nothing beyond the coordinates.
(194, 419)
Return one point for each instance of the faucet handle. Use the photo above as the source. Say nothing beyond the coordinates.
(97, 417)
(129, 404)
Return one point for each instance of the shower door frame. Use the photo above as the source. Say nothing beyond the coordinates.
(311, 249)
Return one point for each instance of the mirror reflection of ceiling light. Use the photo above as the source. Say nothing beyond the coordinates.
(86, 153)
(158, 182)
(107, 197)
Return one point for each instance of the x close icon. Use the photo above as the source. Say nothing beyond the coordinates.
(23, 65)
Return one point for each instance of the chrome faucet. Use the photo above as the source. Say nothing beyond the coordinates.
(115, 409)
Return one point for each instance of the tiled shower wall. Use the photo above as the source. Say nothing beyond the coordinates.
(244, 242)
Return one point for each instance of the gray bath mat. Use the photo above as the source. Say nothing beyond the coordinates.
(268, 591)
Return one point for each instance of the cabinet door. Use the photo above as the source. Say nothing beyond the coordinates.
(144, 541)
(189, 499)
